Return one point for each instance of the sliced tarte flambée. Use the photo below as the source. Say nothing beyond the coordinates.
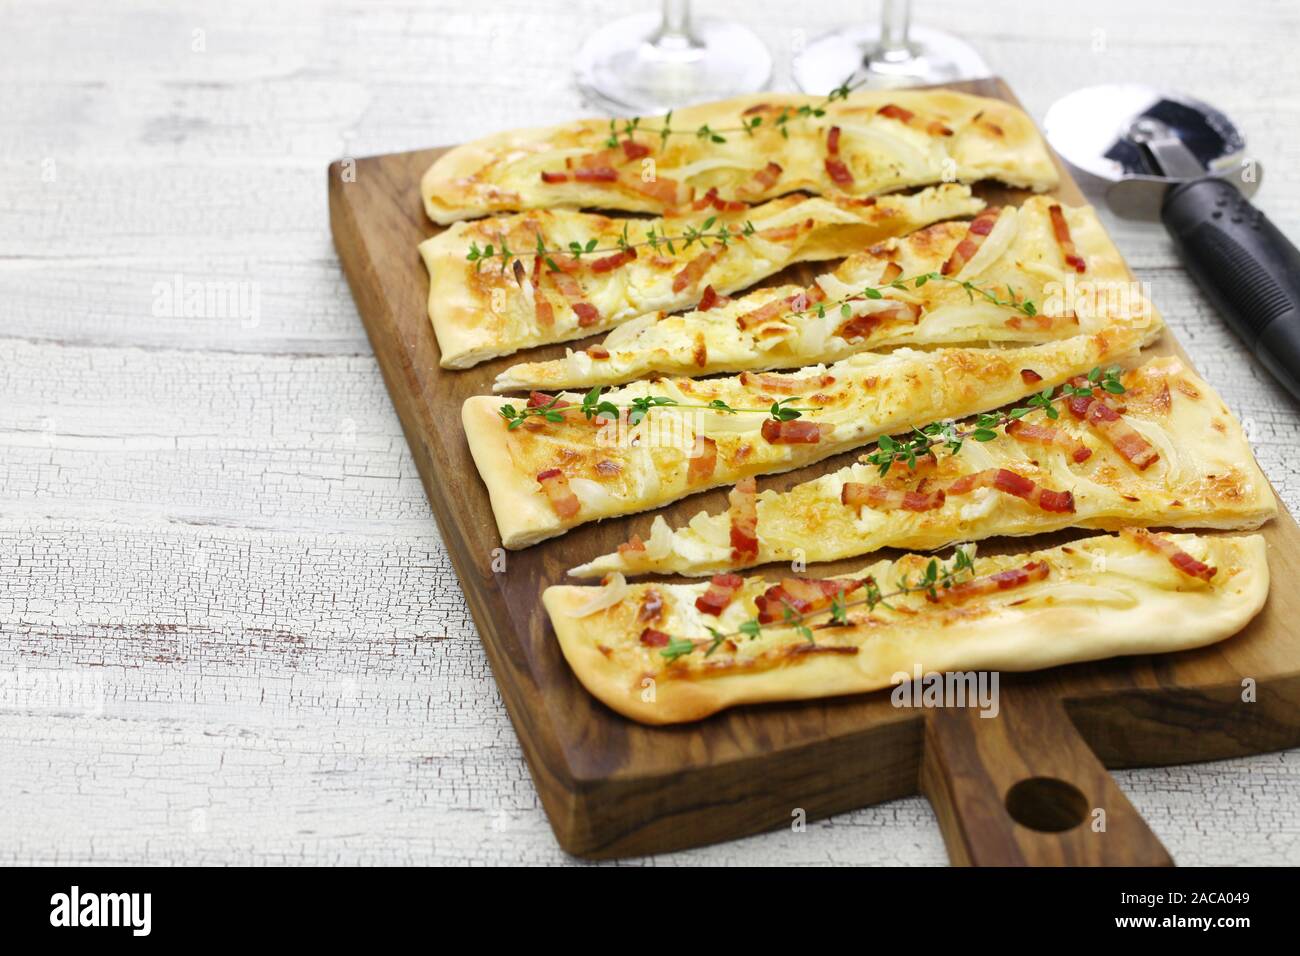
(740, 151)
(484, 304)
(1165, 453)
(665, 653)
(549, 467)
(1037, 273)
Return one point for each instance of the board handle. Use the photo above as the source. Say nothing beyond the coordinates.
(1023, 788)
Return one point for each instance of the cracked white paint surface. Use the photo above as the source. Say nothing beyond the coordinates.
(229, 631)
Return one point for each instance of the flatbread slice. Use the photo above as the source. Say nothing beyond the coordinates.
(1037, 273)
(557, 469)
(756, 148)
(1175, 457)
(666, 653)
(483, 306)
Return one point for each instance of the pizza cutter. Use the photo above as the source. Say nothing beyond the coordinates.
(1168, 156)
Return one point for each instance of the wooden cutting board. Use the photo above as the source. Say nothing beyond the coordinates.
(1023, 787)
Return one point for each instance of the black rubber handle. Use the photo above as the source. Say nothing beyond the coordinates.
(1245, 265)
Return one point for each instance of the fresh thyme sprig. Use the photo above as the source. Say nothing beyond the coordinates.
(946, 434)
(1012, 301)
(628, 128)
(936, 577)
(703, 235)
(782, 410)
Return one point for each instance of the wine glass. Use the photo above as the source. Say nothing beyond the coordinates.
(889, 54)
(653, 62)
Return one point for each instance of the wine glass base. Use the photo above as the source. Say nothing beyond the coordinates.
(621, 69)
(934, 57)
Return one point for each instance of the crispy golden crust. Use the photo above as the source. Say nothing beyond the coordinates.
(1103, 597)
(990, 139)
(1206, 477)
(1021, 253)
(616, 469)
(485, 309)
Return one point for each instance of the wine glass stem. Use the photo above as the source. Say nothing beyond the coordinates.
(895, 20)
(675, 28)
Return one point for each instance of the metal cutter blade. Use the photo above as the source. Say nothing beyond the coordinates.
(1138, 141)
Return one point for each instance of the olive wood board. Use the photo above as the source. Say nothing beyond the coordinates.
(1023, 787)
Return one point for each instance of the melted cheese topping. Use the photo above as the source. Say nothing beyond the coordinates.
(855, 401)
(989, 139)
(1206, 477)
(487, 308)
(1012, 258)
(1100, 597)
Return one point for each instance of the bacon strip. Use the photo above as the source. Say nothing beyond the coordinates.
(611, 262)
(554, 177)
(838, 172)
(1032, 434)
(861, 326)
(1062, 230)
(651, 606)
(1010, 483)
(1043, 322)
(543, 311)
(538, 399)
(711, 300)
(777, 308)
(587, 313)
(652, 638)
(907, 117)
(595, 174)
(796, 432)
(710, 198)
(761, 181)
(569, 288)
(856, 494)
(722, 589)
(1078, 405)
(1125, 439)
(901, 471)
(835, 168)
(891, 272)
(800, 596)
(702, 465)
(976, 233)
(785, 384)
(785, 233)
(694, 270)
(632, 546)
(992, 583)
(744, 520)
(634, 150)
(598, 160)
(662, 189)
(556, 486)
(1179, 558)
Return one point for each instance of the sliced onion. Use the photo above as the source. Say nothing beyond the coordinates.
(712, 530)
(1170, 465)
(660, 543)
(593, 494)
(613, 591)
(684, 174)
(1089, 594)
(630, 330)
(995, 244)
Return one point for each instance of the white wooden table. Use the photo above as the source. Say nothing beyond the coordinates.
(229, 631)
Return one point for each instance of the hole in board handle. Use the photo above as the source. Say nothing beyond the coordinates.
(1046, 804)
